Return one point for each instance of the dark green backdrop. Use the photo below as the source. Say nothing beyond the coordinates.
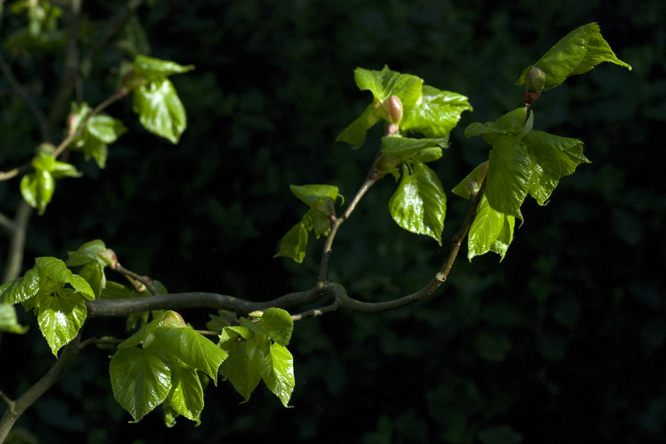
(561, 342)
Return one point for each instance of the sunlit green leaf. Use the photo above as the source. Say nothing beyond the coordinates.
(143, 333)
(510, 123)
(186, 396)
(140, 379)
(152, 67)
(9, 321)
(576, 53)
(86, 253)
(37, 189)
(21, 289)
(293, 243)
(428, 154)
(509, 173)
(490, 231)
(160, 110)
(406, 147)
(278, 324)
(241, 370)
(60, 318)
(192, 348)
(277, 371)
(554, 157)
(355, 133)
(313, 194)
(56, 270)
(437, 113)
(386, 83)
(419, 203)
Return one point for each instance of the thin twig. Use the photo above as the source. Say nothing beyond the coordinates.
(67, 355)
(136, 277)
(9, 402)
(96, 341)
(7, 224)
(333, 306)
(42, 123)
(17, 242)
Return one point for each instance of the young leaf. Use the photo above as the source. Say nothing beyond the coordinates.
(314, 195)
(576, 53)
(405, 147)
(276, 367)
(386, 83)
(490, 231)
(186, 396)
(512, 122)
(141, 335)
(37, 189)
(86, 253)
(509, 173)
(437, 114)
(555, 157)
(192, 348)
(293, 243)
(140, 379)
(9, 321)
(428, 154)
(419, 203)
(56, 270)
(152, 67)
(21, 289)
(355, 133)
(160, 110)
(241, 370)
(60, 318)
(277, 323)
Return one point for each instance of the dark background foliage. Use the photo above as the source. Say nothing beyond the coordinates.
(561, 342)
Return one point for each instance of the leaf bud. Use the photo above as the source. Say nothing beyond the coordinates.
(109, 257)
(535, 80)
(393, 107)
(483, 170)
(256, 314)
(173, 319)
(472, 186)
(325, 205)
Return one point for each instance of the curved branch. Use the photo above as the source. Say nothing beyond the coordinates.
(16, 408)
(175, 301)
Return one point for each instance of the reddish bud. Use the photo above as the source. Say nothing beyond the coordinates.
(393, 107)
(109, 257)
(72, 123)
(173, 319)
(529, 97)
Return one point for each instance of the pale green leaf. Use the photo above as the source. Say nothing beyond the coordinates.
(406, 147)
(313, 194)
(576, 53)
(21, 289)
(60, 318)
(386, 83)
(512, 122)
(86, 253)
(37, 189)
(150, 67)
(355, 133)
(293, 243)
(192, 348)
(437, 113)
(140, 379)
(160, 110)
(279, 375)
(186, 396)
(428, 154)
(509, 173)
(419, 203)
(278, 324)
(241, 370)
(9, 321)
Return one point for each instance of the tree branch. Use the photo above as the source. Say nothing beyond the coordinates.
(16, 409)
(17, 242)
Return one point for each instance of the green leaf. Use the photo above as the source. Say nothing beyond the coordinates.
(437, 114)
(355, 133)
(186, 396)
(160, 110)
(278, 324)
(100, 130)
(192, 348)
(577, 53)
(490, 231)
(419, 203)
(60, 318)
(312, 195)
(114, 290)
(93, 273)
(230, 333)
(554, 157)
(152, 67)
(510, 123)
(293, 243)
(86, 253)
(386, 83)
(9, 321)
(460, 189)
(428, 154)
(56, 270)
(277, 371)
(140, 379)
(21, 289)
(509, 173)
(241, 370)
(405, 147)
(143, 333)
(37, 189)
